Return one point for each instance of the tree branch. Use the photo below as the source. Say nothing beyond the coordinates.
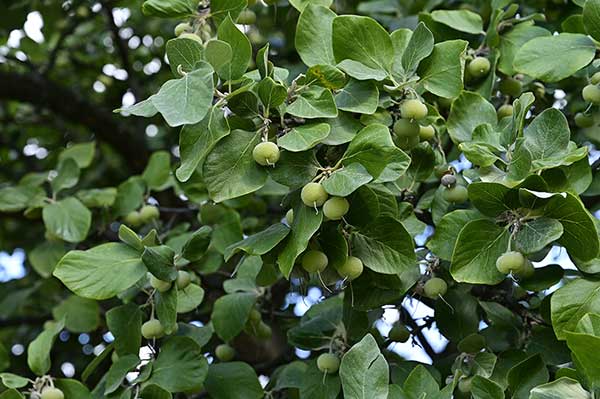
(416, 330)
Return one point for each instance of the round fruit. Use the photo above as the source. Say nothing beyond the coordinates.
(183, 279)
(328, 363)
(266, 153)
(527, 271)
(456, 195)
(407, 142)
(510, 262)
(406, 128)
(426, 133)
(313, 194)
(505, 110)
(351, 269)
(510, 86)
(595, 79)
(52, 393)
(314, 261)
(584, 121)
(182, 28)
(263, 331)
(464, 385)
(224, 352)
(254, 316)
(149, 212)
(191, 36)
(399, 333)
(246, 17)
(472, 343)
(336, 207)
(133, 218)
(479, 67)
(413, 109)
(435, 287)
(591, 93)
(152, 329)
(448, 180)
(539, 90)
(289, 216)
(160, 285)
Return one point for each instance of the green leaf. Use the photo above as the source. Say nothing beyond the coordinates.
(259, 243)
(358, 96)
(460, 20)
(230, 313)
(220, 9)
(537, 234)
(315, 102)
(125, 322)
(218, 54)
(14, 199)
(327, 76)
(571, 302)
(11, 394)
(482, 388)
(45, 256)
(81, 153)
(80, 314)
(117, 372)
(169, 9)
(468, 111)
(421, 163)
(158, 170)
(554, 58)
(224, 381)
(346, 180)
(241, 50)
(67, 219)
(189, 298)
(67, 176)
(100, 272)
(478, 246)
(301, 5)
(153, 391)
(364, 371)
(271, 94)
(583, 347)
(230, 170)
(38, 351)
(442, 72)
(314, 386)
(375, 50)
(304, 137)
(97, 197)
(184, 53)
(130, 195)
(295, 169)
(543, 278)
(561, 388)
(10, 380)
(547, 138)
(527, 374)
(419, 382)
(305, 225)
(160, 262)
(417, 49)
(492, 199)
(313, 35)
(180, 365)
(444, 239)
(591, 18)
(360, 71)
(385, 246)
(513, 40)
(196, 246)
(456, 315)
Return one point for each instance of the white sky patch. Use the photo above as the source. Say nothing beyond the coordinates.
(33, 26)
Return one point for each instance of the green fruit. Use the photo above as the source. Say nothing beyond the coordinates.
(591, 93)
(351, 269)
(435, 287)
(407, 143)
(413, 109)
(133, 218)
(160, 285)
(472, 343)
(583, 120)
(314, 261)
(399, 333)
(539, 90)
(328, 363)
(224, 352)
(511, 87)
(183, 279)
(152, 329)
(254, 316)
(148, 213)
(52, 393)
(426, 133)
(191, 36)
(336, 207)
(289, 216)
(313, 194)
(246, 17)
(263, 331)
(464, 384)
(266, 153)
(456, 195)
(182, 28)
(114, 357)
(595, 79)
(504, 111)
(406, 128)
(527, 271)
(510, 262)
(448, 180)
(479, 67)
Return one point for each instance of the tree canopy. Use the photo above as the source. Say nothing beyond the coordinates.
(312, 199)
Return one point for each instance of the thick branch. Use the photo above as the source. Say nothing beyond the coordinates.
(416, 329)
(70, 105)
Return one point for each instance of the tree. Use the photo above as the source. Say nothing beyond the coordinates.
(322, 157)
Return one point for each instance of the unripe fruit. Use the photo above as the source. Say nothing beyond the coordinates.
(328, 363)
(413, 109)
(289, 216)
(246, 17)
(406, 128)
(505, 110)
(183, 279)
(584, 121)
(314, 261)
(539, 90)
(266, 153)
(313, 194)
(149, 212)
(464, 384)
(591, 93)
(351, 269)
(595, 79)
(336, 207)
(182, 28)
(224, 352)
(435, 287)
(510, 86)
(448, 180)
(160, 285)
(479, 67)
(399, 333)
(191, 36)
(152, 329)
(426, 133)
(510, 262)
(133, 218)
(52, 393)
(254, 316)
(263, 331)
(456, 195)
